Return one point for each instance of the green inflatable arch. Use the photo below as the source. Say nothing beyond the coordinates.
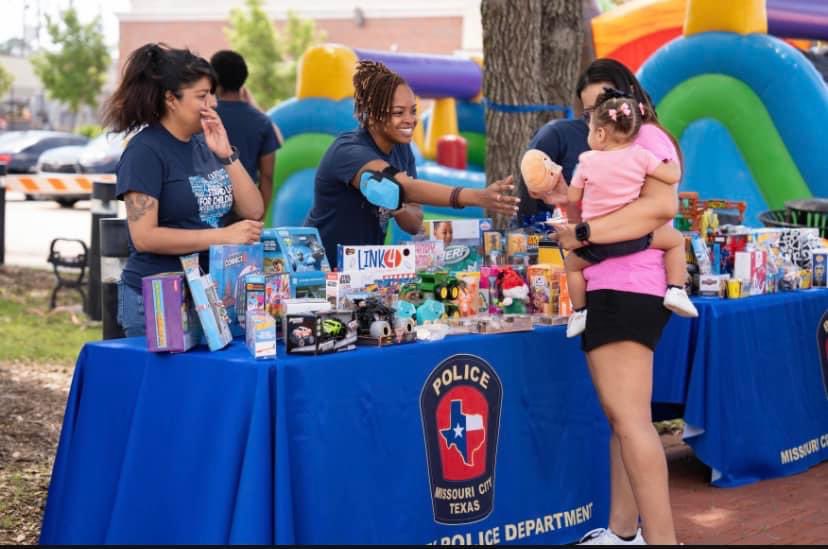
(300, 152)
(739, 109)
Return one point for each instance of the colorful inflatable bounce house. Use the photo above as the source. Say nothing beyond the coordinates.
(747, 108)
(450, 144)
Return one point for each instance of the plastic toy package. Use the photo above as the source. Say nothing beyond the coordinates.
(302, 249)
(274, 259)
(260, 334)
(210, 309)
(251, 296)
(320, 332)
(229, 264)
(170, 320)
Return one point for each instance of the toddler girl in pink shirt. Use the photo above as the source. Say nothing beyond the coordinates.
(607, 178)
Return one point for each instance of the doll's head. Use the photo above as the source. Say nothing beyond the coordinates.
(539, 171)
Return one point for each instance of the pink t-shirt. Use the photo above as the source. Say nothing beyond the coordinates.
(612, 179)
(642, 272)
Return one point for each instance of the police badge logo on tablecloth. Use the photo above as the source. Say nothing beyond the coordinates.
(460, 408)
(822, 341)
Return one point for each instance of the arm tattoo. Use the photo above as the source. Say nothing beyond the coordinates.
(138, 204)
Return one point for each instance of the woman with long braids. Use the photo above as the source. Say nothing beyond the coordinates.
(179, 175)
(386, 109)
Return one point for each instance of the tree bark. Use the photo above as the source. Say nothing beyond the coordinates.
(532, 55)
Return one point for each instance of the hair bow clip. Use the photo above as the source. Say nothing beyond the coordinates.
(625, 109)
(613, 114)
(641, 108)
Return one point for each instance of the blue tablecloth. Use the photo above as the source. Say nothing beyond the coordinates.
(756, 403)
(216, 447)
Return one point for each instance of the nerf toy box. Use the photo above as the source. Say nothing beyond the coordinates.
(369, 264)
(260, 334)
(169, 316)
(229, 264)
(462, 241)
(210, 309)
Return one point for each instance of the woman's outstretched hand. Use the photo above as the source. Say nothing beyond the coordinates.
(498, 198)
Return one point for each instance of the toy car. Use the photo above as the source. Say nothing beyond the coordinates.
(302, 336)
(373, 316)
(333, 327)
(440, 284)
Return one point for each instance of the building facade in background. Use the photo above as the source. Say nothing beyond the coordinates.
(423, 26)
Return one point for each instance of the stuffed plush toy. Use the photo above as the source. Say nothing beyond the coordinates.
(515, 292)
(538, 171)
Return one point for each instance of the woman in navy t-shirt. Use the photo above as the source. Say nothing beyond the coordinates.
(179, 176)
(386, 109)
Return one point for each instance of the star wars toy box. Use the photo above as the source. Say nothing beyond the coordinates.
(273, 258)
(260, 334)
(377, 264)
(208, 306)
(462, 241)
(229, 264)
(170, 319)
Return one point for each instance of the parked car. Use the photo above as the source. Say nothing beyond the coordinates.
(101, 155)
(19, 151)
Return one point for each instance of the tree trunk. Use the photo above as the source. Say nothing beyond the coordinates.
(532, 53)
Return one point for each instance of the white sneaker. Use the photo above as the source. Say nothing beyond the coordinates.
(605, 536)
(677, 301)
(576, 323)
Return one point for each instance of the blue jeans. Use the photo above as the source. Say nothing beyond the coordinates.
(131, 310)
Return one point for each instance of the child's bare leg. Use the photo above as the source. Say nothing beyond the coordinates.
(575, 280)
(672, 242)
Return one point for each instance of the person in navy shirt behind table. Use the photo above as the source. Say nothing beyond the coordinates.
(248, 128)
(179, 176)
(386, 109)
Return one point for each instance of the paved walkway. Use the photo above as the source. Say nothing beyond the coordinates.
(790, 510)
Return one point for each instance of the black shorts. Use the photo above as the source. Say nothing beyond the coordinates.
(614, 316)
(596, 253)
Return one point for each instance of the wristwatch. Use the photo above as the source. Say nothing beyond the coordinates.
(232, 158)
(582, 232)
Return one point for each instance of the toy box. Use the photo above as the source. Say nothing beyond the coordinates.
(210, 309)
(462, 240)
(260, 334)
(308, 285)
(819, 268)
(750, 267)
(277, 290)
(170, 319)
(368, 264)
(713, 285)
(541, 294)
(564, 303)
(302, 249)
(251, 296)
(428, 254)
(338, 286)
(468, 299)
(320, 332)
(273, 258)
(229, 264)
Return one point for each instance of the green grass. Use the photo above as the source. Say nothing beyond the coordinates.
(29, 332)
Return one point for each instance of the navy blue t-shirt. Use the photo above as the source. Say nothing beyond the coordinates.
(340, 212)
(250, 131)
(192, 188)
(563, 141)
